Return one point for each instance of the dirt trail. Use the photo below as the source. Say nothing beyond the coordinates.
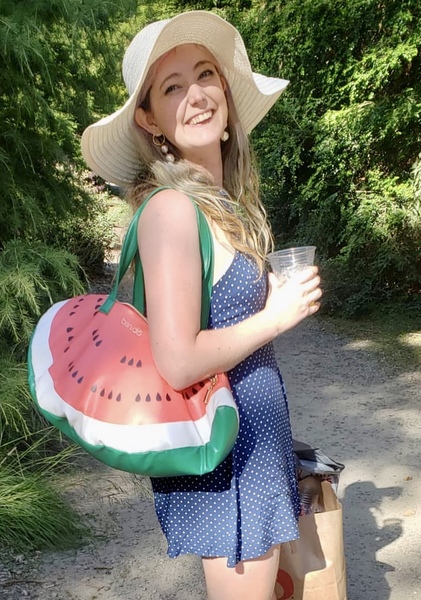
(342, 399)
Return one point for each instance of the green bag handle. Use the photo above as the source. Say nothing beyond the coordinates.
(129, 251)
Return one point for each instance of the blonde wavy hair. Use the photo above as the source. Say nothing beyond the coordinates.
(239, 213)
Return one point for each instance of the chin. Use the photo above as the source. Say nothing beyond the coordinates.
(205, 141)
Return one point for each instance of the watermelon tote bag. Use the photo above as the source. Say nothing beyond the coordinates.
(92, 375)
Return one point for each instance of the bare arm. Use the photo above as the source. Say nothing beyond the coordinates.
(170, 254)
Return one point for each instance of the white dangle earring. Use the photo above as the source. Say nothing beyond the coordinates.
(225, 136)
(159, 140)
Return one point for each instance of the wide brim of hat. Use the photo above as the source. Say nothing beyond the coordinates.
(111, 146)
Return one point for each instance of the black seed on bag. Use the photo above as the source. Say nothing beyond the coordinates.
(158, 397)
(66, 349)
(98, 343)
(69, 329)
(118, 399)
(148, 398)
(80, 379)
(131, 362)
(123, 360)
(102, 393)
(110, 396)
(75, 374)
(168, 398)
(139, 363)
(137, 399)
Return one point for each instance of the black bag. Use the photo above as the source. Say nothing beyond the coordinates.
(313, 461)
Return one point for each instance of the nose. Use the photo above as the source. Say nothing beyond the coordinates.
(196, 94)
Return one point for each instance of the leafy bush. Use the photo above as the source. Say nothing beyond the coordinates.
(59, 61)
(33, 515)
(338, 152)
(17, 419)
(58, 71)
(380, 261)
(32, 276)
(88, 238)
(24, 432)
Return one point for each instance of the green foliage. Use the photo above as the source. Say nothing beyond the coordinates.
(338, 152)
(416, 173)
(59, 71)
(382, 236)
(88, 238)
(53, 53)
(32, 276)
(33, 515)
(16, 415)
(32, 512)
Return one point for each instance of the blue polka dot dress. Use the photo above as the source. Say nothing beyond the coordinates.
(250, 501)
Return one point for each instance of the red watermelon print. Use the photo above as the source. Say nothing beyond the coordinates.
(88, 372)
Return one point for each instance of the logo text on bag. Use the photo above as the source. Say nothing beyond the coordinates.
(131, 327)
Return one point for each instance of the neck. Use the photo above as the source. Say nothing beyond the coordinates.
(212, 164)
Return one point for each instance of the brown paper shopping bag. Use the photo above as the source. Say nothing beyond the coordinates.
(313, 567)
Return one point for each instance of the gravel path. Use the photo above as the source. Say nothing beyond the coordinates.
(342, 399)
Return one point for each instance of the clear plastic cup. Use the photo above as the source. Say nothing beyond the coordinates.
(286, 262)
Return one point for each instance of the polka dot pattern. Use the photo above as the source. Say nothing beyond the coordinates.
(250, 501)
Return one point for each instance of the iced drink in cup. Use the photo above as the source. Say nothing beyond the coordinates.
(286, 262)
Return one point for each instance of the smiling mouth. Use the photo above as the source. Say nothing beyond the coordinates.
(201, 118)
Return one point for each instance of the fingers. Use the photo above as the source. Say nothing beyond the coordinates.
(313, 308)
(306, 282)
(293, 299)
(312, 287)
(309, 291)
(309, 282)
(305, 275)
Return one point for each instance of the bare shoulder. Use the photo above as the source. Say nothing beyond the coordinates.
(170, 206)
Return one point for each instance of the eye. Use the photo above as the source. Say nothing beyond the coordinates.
(171, 88)
(206, 73)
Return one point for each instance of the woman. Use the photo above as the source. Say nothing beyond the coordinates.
(193, 99)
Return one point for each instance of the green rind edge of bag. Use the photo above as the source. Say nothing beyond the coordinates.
(196, 460)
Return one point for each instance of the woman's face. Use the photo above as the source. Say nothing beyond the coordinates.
(187, 101)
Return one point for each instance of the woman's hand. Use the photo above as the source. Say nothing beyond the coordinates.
(294, 299)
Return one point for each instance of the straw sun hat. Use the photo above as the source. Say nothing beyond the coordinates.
(110, 146)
